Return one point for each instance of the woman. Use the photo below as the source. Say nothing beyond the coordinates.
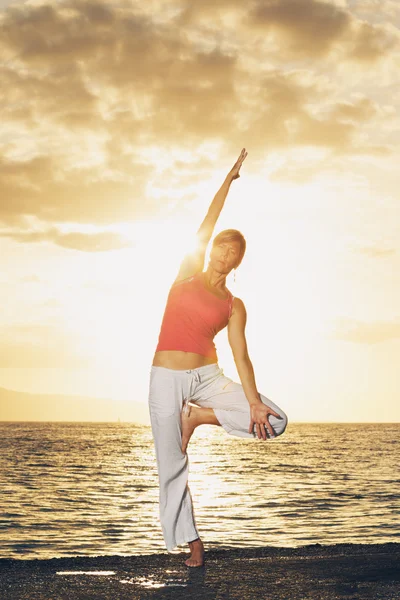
(185, 367)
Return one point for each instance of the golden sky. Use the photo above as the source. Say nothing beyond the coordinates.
(120, 120)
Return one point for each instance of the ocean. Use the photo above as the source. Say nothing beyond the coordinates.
(90, 489)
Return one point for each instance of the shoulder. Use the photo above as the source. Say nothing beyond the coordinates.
(187, 279)
(237, 322)
(192, 263)
(238, 307)
(238, 303)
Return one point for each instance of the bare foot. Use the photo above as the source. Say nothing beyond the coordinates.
(196, 558)
(189, 424)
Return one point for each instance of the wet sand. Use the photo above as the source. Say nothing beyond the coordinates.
(342, 571)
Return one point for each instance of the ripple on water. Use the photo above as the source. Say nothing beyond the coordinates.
(92, 488)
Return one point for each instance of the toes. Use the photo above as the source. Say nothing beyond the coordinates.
(194, 564)
(188, 563)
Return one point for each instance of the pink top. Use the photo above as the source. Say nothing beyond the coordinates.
(192, 318)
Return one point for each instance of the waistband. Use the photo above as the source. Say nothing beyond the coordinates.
(193, 376)
(200, 370)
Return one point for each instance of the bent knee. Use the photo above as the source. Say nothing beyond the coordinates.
(280, 424)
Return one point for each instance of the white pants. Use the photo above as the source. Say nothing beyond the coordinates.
(206, 387)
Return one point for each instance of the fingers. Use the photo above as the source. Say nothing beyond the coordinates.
(262, 432)
(236, 167)
(261, 429)
(272, 412)
(258, 431)
(268, 424)
(242, 156)
(270, 429)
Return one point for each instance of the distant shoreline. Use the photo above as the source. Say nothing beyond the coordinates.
(116, 422)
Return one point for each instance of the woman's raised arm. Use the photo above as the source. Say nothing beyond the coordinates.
(194, 262)
(207, 227)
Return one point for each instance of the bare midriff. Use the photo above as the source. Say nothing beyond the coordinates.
(177, 359)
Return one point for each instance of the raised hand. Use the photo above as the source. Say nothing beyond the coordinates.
(234, 172)
(259, 417)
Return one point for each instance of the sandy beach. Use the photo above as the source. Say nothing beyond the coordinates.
(342, 571)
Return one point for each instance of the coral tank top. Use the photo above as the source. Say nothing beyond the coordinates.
(192, 318)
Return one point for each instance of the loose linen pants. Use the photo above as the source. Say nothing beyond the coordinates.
(170, 392)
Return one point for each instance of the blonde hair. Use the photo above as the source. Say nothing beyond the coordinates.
(232, 235)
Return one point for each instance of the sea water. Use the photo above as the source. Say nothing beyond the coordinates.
(70, 489)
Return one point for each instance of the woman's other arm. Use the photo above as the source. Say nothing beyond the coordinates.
(237, 340)
(194, 262)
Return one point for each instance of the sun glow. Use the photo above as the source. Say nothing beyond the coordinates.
(115, 316)
(164, 242)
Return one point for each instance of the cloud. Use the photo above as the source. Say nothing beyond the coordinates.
(376, 252)
(335, 129)
(37, 346)
(313, 28)
(294, 114)
(94, 86)
(378, 9)
(297, 170)
(52, 303)
(62, 31)
(366, 333)
(58, 97)
(371, 42)
(52, 190)
(93, 94)
(85, 242)
(363, 109)
(307, 26)
(31, 279)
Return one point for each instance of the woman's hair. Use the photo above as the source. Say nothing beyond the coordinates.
(232, 235)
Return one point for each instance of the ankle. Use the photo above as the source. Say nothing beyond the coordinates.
(196, 541)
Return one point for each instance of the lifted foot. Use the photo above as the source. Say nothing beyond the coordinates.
(189, 423)
(196, 416)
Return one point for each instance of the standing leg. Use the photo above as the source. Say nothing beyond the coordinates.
(176, 507)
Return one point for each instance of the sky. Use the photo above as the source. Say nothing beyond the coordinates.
(119, 122)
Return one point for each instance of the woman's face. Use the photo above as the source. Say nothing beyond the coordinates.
(224, 256)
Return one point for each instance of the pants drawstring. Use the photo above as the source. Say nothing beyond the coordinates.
(195, 378)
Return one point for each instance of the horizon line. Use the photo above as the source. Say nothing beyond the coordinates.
(118, 421)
